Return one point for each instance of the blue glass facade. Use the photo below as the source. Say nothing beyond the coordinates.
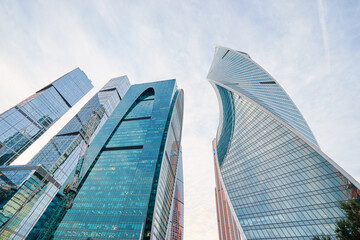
(21, 125)
(277, 181)
(104, 102)
(22, 196)
(130, 169)
(59, 159)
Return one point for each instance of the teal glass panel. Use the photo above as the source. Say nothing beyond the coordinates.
(120, 168)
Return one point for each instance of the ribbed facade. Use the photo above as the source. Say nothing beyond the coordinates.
(25, 195)
(131, 169)
(275, 180)
(21, 125)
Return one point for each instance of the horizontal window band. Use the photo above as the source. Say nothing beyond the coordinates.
(122, 148)
(107, 90)
(144, 100)
(268, 82)
(134, 119)
(111, 89)
(68, 134)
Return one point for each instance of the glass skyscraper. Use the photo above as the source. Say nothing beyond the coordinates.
(272, 179)
(27, 190)
(133, 171)
(104, 102)
(21, 125)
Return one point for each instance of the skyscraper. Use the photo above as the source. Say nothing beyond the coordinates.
(272, 179)
(21, 125)
(103, 103)
(27, 190)
(131, 170)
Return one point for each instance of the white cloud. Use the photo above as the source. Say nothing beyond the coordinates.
(322, 20)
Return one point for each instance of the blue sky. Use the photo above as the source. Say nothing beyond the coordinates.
(312, 48)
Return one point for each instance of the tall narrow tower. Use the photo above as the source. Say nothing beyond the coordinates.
(272, 179)
(21, 125)
(27, 191)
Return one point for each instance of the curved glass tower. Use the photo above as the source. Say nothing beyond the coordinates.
(132, 171)
(272, 179)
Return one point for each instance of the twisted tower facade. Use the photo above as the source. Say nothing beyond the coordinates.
(272, 179)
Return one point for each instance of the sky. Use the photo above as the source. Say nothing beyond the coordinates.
(312, 48)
